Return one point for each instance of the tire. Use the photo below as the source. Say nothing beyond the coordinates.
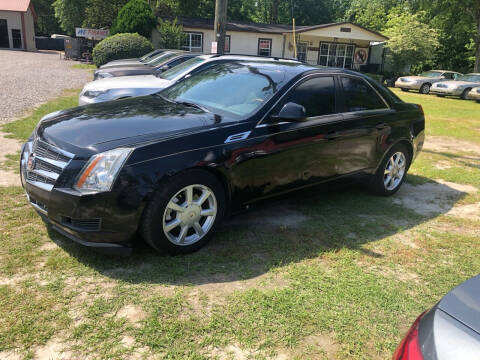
(425, 89)
(464, 94)
(380, 184)
(440, 95)
(406, 90)
(169, 212)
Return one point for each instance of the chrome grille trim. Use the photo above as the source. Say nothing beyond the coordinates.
(59, 164)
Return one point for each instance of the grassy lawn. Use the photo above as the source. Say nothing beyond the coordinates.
(330, 273)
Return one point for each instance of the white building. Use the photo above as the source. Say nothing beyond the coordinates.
(17, 29)
(338, 44)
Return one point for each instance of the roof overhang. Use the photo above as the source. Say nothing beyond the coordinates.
(344, 30)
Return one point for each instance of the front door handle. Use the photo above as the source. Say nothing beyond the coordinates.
(380, 126)
(332, 135)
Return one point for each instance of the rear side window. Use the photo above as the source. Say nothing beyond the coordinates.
(448, 75)
(359, 96)
(317, 95)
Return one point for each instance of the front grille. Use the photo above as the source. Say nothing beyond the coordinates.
(42, 164)
(92, 224)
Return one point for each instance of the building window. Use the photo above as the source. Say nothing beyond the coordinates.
(16, 39)
(345, 29)
(336, 55)
(264, 47)
(302, 47)
(193, 42)
(226, 49)
(4, 42)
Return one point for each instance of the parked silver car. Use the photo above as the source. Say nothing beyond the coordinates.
(460, 87)
(425, 80)
(142, 60)
(474, 94)
(121, 87)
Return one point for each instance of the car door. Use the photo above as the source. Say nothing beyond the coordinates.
(291, 154)
(366, 124)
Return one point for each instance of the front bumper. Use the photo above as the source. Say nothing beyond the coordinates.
(98, 221)
(445, 91)
(407, 85)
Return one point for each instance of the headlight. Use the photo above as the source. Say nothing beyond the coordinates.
(94, 93)
(104, 75)
(100, 172)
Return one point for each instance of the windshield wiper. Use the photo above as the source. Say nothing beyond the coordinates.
(191, 104)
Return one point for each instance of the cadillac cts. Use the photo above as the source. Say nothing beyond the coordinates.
(171, 165)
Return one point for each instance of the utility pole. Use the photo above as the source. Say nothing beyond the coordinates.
(220, 26)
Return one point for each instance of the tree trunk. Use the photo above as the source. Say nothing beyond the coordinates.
(220, 25)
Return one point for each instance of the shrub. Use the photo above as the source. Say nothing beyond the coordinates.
(135, 17)
(120, 46)
(171, 35)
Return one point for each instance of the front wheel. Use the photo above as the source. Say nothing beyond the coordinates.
(425, 89)
(392, 171)
(465, 94)
(183, 214)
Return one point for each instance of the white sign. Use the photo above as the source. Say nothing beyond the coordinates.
(96, 34)
(214, 47)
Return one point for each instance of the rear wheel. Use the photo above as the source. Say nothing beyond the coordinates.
(425, 89)
(464, 94)
(183, 214)
(392, 171)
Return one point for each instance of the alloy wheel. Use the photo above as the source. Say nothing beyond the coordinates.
(189, 215)
(394, 171)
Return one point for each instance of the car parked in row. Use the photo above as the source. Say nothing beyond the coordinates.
(474, 94)
(138, 61)
(172, 165)
(449, 330)
(127, 86)
(425, 80)
(459, 87)
(161, 63)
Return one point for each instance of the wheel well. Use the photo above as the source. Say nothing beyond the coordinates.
(427, 83)
(407, 144)
(223, 180)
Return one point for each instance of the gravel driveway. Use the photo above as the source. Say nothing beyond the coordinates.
(30, 78)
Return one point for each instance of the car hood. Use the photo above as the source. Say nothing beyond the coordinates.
(121, 62)
(452, 83)
(103, 126)
(463, 303)
(129, 82)
(416, 78)
(133, 66)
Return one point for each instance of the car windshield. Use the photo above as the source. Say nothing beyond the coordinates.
(161, 58)
(469, 77)
(181, 69)
(148, 56)
(234, 89)
(431, 74)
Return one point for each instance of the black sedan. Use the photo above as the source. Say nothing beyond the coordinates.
(450, 330)
(161, 63)
(171, 165)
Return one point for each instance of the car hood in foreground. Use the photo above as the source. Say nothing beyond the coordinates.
(129, 82)
(103, 126)
(463, 303)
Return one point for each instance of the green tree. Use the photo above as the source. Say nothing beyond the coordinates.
(102, 13)
(46, 23)
(70, 14)
(135, 17)
(171, 34)
(411, 42)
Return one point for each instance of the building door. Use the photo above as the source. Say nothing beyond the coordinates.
(16, 39)
(302, 47)
(4, 43)
(336, 55)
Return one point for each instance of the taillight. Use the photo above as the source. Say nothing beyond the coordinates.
(421, 109)
(409, 348)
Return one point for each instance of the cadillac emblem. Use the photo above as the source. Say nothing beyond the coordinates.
(31, 162)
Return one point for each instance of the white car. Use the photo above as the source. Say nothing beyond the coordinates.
(474, 94)
(121, 87)
(425, 80)
(460, 87)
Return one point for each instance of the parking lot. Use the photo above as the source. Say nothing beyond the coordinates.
(331, 272)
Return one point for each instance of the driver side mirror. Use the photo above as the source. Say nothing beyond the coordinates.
(291, 112)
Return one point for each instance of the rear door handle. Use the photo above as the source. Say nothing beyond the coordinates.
(380, 126)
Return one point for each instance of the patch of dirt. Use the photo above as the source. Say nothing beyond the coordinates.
(449, 144)
(432, 198)
(133, 313)
(318, 346)
(48, 246)
(471, 211)
(10, 355)
(231, 352)
(8, 146)
(128, 341)
(443, 165)
(53, 349)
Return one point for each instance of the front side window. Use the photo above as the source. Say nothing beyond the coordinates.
(264, 47)
(231, 89)
(163, 58)
(433, 74)
(316, 95)
(448, 76)
(193, 42)
(359, 96)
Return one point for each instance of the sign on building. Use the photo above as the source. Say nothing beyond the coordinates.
(95, 34)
